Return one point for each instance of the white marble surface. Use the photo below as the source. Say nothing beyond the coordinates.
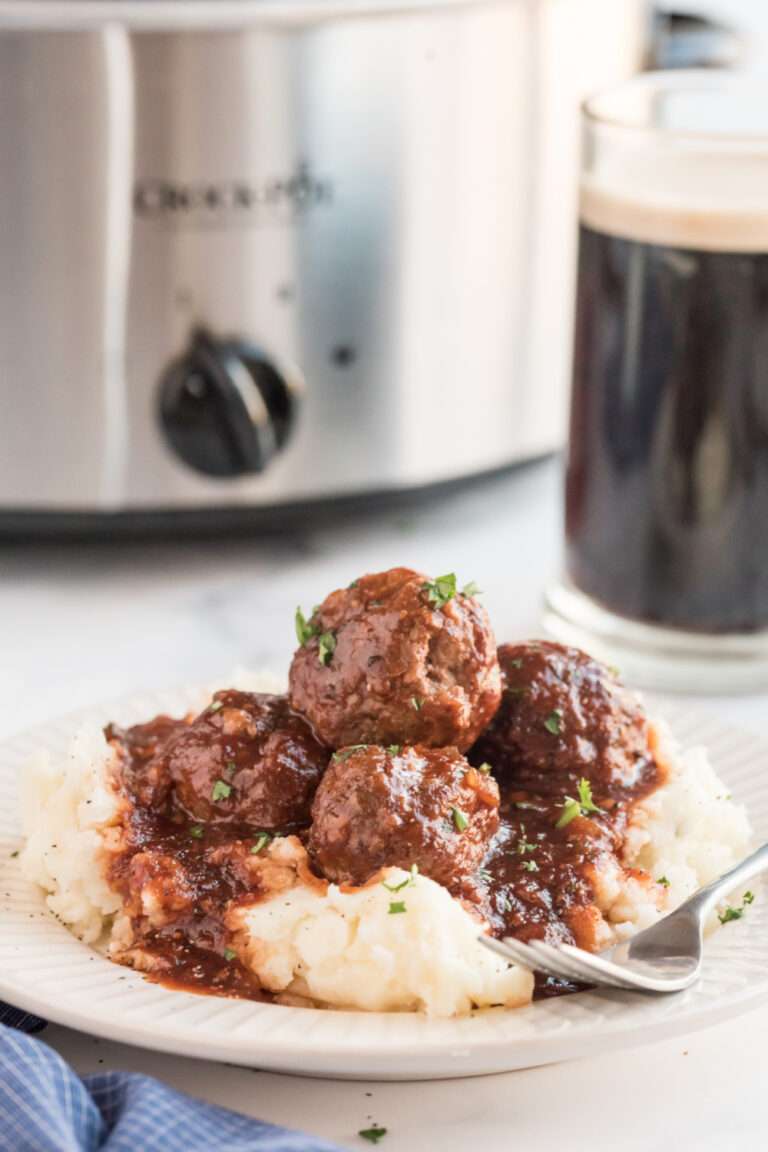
(81, 623)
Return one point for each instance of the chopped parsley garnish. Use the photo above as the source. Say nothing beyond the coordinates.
(305, 629)
(372, 1135)
(731, 913)
(394, 749)
(354, 584)
(485, 768)
(261, 842)
(221, 790)
(214, 707)
(524, 845)
(196, 831)
(230, 768)
(350, 750)
(471, 589)
(530, 866)
(484, 874)
(663, 881)
(410, 879)
(326, 647)
(553, 722)
(396, 906)
(516, 663)
(416, 703)
(229, 954)
(460, 819)
(441, 590)
(584, 806)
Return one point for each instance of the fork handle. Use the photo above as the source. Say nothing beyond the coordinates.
(707, 897)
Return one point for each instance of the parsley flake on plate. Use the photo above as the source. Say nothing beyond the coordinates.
(345, 753)
(584, 806)
(326, 647)
(460, 819)
(221, 790)
(396, 906)
(305, 629)
(441, 590)
(663, 881)
(410, 879)
(730, 913)
(554, 722)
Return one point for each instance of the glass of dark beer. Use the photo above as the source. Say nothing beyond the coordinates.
(667, 469)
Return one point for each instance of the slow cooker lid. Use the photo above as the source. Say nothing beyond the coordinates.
(169, 14)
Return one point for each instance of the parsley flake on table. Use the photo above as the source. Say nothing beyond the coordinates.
(460, 819)
(261, 842)
(305, 629)
(584, 806)
(372, 1135)
(441, 590)
(221, 790)
(326, 647)
(554, 722)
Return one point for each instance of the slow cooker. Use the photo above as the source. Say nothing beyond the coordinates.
(260, 253)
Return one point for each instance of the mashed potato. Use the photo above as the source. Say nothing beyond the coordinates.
(344, 947)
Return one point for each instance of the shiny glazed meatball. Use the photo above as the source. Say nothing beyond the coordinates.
(246, 759)
(379, 807)
(563, 716)
(396, 658)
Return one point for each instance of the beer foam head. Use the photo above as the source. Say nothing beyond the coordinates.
(679, 159)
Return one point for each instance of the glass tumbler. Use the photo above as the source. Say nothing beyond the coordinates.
(666, 523)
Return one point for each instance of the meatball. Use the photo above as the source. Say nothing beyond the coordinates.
(379, 807)
(397, 658)
(249, 759)
(564, 716)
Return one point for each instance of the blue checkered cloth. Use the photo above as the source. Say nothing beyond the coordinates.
(46, 1107)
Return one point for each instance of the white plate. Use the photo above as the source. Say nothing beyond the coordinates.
(45, 970)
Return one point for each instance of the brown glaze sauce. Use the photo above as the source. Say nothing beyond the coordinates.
(536, 880)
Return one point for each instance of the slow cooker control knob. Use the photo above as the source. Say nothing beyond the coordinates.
(225, 408)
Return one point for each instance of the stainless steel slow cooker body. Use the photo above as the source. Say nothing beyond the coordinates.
(258, 253)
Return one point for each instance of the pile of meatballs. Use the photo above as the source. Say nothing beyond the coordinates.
(401, 719)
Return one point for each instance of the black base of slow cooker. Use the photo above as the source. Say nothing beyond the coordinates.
(24, 526)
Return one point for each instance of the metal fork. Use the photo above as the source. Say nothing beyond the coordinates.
(664, 958)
